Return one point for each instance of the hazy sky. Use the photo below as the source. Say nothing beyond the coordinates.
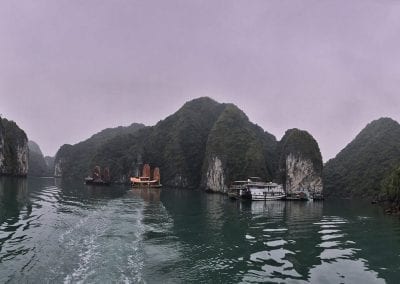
(71, 68)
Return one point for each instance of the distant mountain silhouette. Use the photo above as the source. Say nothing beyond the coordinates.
(37, 163)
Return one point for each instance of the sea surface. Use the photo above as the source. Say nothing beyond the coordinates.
(53, 231)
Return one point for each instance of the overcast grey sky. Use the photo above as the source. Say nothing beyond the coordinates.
(71, 68)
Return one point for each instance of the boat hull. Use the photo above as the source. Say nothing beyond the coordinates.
(300, 196)
(233, 195)
(264, 194)
(266, 198)
(146, 185)
(256, 190)
(290, 198)
(94, 182)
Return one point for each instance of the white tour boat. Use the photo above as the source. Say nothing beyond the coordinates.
(255, 189)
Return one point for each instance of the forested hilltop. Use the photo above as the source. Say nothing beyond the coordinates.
(359, 170)
(77, 160)
(300, 162)
(204, 144)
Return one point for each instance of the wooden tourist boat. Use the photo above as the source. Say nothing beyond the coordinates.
(145, 181)
(98, 177)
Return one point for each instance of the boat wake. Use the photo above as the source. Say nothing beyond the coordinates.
(113, 242)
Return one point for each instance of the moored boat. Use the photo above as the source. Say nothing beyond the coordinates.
(92, 181)
(300, 194)
(266, 191)
(317, 197)
(255, 189)
(98, 177)
(145, 181)
(296, 196)
(236, 189)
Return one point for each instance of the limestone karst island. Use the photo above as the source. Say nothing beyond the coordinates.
(201, 141)
(153, 184)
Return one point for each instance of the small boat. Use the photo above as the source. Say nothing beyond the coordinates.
(90, 180)
(145, 181)
(255, 189)
(98, 178)
(317, 197)
(236, 189)
(300, 194)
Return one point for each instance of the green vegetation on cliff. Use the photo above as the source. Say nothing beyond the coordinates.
(122, 155)
(182, 146)
(76, 160)
(243, 147)
(181, 143)
(176, 145)
(300, 144)
(360, 168)
(391, 186)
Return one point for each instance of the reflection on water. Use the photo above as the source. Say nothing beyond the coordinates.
(339, 261)
(13, 196)
(15, 216)
(278, 241)
(272, 208)
(147, 194)
(300, 243)
(62, 231)
(281, 240)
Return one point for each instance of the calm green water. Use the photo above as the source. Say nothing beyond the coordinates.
(55, 232)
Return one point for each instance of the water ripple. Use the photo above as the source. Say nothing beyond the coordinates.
(71, 233)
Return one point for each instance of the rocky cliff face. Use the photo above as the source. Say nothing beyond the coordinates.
(236, 149)
(205, 144)
(61, 159)
(215, 177)
(58, 168)
(300, 174)
(22, 159)
(300, 162)
(176, 145)
(1, 146)
(13, 149)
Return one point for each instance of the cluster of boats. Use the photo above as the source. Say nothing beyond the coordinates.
(253, 188)
(148, 179)
(256, 189)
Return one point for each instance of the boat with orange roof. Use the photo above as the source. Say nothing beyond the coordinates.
(145, 181)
